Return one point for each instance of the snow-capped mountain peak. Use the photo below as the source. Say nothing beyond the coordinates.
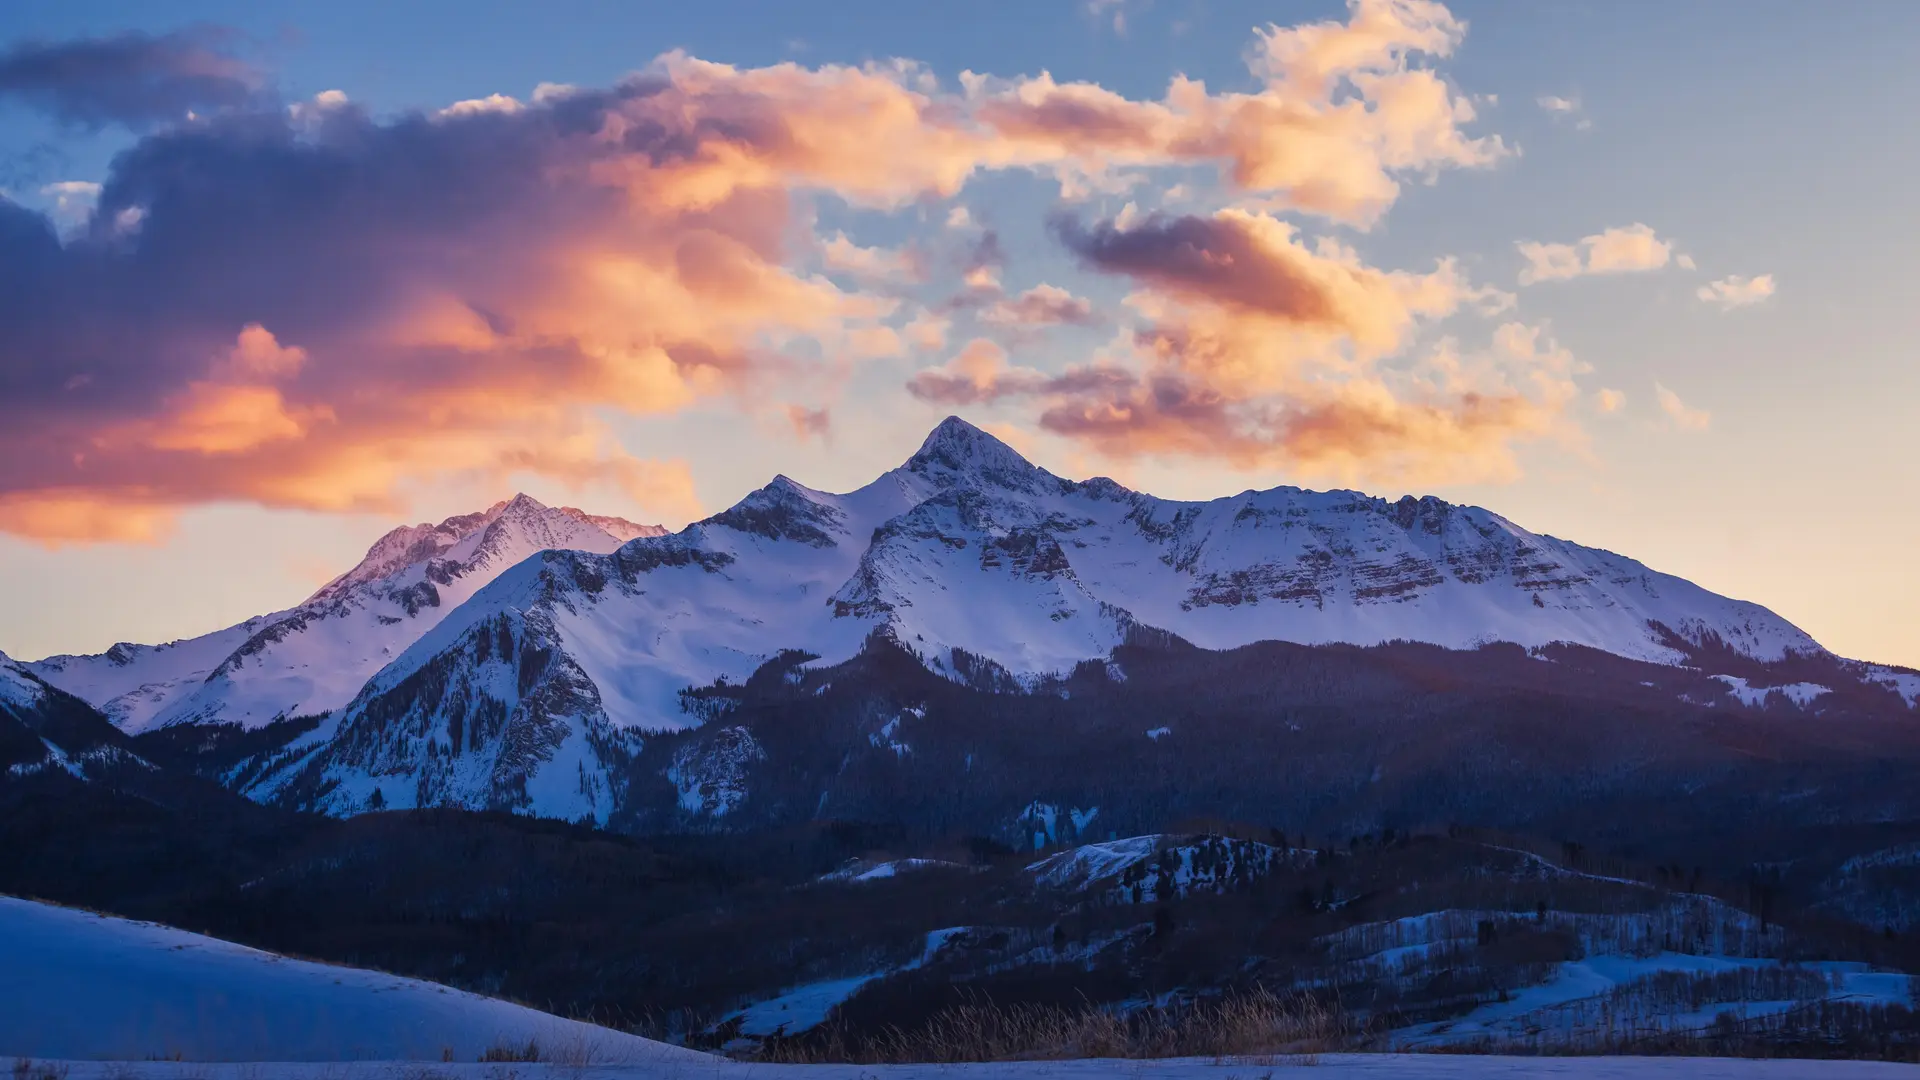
(956, 452)
(987, 568)
(521, 523)
(313, 658)
(17, 687)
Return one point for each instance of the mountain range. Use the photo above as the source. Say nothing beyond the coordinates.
(524, 658)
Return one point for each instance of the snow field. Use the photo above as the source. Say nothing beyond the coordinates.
(77, 985)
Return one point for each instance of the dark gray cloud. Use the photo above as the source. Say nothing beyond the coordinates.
(1220, 259)
(133, 79)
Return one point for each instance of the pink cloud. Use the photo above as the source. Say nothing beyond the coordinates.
(1042, 305)
(311, 307)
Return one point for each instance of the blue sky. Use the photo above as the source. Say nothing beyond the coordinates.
(1753, 139)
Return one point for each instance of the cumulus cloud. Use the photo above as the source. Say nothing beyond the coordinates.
(1609, 401)
(1619, 250)
(870, 263)
(927, 331)
(309, 306)
(1042, 305)
(238, 406)
(1362, 427)
(472, 293)
(1256, 265)
(1262, 351)
(1683, 415)
(491, 103)
(135, 80)
(1736, 291)
(977, 374)
(1341, 113)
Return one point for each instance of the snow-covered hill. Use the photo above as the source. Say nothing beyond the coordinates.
(314, 657)
(991, 570)
(80, 985)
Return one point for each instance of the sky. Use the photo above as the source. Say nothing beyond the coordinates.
(275, 278)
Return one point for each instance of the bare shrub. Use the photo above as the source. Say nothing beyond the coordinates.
(1248, 1024)
(509, 1052)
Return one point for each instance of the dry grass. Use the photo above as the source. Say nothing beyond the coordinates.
(512, 1052)
(1256, 1025)
(574, 1055)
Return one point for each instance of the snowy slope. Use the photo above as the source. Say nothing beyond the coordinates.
(529, 695)
(1573, 999)
(42, 729)
(80, 985)
(313, 658)
(18, 688)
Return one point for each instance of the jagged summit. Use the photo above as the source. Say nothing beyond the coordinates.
(520, 522)
(956, 451)
(526, 508)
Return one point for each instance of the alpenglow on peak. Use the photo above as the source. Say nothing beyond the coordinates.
(956, 450)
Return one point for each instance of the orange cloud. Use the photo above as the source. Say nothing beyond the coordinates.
(1340, 113)
(56, 517)
(311, 307)
(1360, 429)
(236, 410)
(1253, 265)
(604, 285)
(810, 423)
(1263, 352)
(978, 373)
(213, 419)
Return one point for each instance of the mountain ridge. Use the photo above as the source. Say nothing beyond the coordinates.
(264, 668)
(538, 691)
